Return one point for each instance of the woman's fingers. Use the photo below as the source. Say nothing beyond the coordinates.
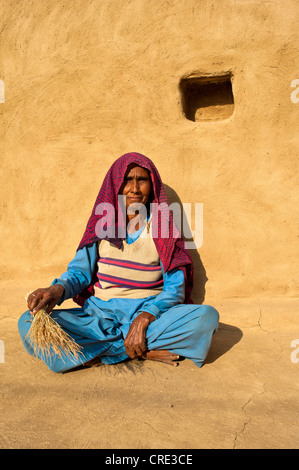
(34, 298)
(45, 298)
(135, 341)
(130, 350)
(50, 306)
(139, 350)
(38, 300)
(41, 304)
(134, 350)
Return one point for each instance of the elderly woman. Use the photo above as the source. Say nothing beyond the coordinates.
(133, 286)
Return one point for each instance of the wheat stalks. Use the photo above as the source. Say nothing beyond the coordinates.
(48, 338)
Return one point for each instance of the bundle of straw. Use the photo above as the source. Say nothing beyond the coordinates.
(48, 338)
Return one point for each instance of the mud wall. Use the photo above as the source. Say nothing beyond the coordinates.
(202, 88)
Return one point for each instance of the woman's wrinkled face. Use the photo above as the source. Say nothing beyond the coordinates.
(137, 185)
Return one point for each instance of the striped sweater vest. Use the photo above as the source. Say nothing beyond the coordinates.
(133, 271)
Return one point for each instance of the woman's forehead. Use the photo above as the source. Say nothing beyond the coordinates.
(137, 170)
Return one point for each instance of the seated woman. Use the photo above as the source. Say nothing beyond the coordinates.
(133, 286)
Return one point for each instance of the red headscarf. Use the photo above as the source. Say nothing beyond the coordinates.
(171, 250)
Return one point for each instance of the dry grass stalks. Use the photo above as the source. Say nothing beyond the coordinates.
(48, 338)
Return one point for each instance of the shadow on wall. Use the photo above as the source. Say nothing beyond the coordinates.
(200, 277)
(227, 335)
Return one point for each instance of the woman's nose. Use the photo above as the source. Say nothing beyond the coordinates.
(135, 186)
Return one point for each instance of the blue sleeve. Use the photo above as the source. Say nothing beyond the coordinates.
(79, 272)
(173, 293)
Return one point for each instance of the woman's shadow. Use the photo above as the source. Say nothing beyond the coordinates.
(227, 335)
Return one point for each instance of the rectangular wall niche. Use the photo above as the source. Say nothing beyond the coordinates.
(207, 98)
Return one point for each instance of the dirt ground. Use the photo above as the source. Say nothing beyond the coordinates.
(244, 397)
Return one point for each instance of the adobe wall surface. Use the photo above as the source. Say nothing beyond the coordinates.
(87, 81)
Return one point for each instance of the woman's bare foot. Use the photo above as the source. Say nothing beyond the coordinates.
(162, 355)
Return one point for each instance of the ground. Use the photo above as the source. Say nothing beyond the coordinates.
(245, 395)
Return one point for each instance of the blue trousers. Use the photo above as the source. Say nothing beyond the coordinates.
(185, 330)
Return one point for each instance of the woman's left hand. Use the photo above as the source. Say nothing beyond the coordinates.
(135, 341)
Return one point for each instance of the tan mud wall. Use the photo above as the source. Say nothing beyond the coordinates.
(88, 80)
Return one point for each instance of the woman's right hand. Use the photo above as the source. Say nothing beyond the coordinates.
(47, 297)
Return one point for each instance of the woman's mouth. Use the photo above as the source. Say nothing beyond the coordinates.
(135, 199)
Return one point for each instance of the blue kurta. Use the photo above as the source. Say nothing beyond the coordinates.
(100, 327)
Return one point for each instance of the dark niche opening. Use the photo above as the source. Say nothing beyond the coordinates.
(207, 98)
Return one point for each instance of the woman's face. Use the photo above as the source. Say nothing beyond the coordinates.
(137, 185)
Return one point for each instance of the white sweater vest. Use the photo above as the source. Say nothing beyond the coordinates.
(133, 271)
